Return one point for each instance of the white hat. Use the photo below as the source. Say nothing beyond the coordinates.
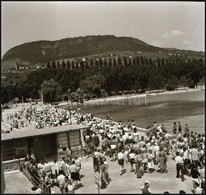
(105, 162)
(146, 182)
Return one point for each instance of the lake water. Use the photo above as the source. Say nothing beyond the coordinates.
(188, 107)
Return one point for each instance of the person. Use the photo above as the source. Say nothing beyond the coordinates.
(70, 187)
(74, 173)
(131, 159)
(166, 192)
(68, 155)
(179, 166)
(162, 160)
(54, 169)
(150, 161)
(197, 188)
(186, 161)
(96, 140)
(108, 117)
(182, 192)
(65, 183)
(179, 127)
(174, 128)
(63, 165)
(113, 148)
(195, 174)
(120, 157)
(96, 160)
(146, 188)
(60, 181)
(138, 161)
(104, 173)
(163, 128)
(186, 129)
(194, 155)
(78, 164)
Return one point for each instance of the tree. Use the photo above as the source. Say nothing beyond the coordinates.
(58, 64)
(130, 62)
(142, 60)
(48, 65)
(73, 65)
(82, 65)
(110, 62)
(134, 61)
(51, 90)
(77, 65)
(63, 64)
(53, 64)
(96, 62)
(155, 80)
(146, 61)
(125, 61)
(105, 62)
(91, 62)
(163, 62)
(100, 63)
(114, 62)
(138, 60)
(68, 64)
(86, 65)
(119, 61)
(172, 83)
(93, 84)
(150, 62)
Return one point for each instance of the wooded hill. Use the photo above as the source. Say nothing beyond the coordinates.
(39, 53)
(94, 65)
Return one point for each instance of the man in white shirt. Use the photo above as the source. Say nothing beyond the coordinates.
(54, 169)
(63, 165)
(195, 155)
(120, 157)
(179, 166)
(60, 181)
(47, 168)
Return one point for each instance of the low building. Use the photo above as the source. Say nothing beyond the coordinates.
(43, 143)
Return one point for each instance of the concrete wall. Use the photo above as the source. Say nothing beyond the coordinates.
(12, 165)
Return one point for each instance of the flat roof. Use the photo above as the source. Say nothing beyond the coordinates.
(17, 134)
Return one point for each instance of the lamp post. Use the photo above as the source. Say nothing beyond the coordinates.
(139, 97)
(68, 94)
(42, 99)
(69, 99)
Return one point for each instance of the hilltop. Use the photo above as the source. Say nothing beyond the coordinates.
(40, 52)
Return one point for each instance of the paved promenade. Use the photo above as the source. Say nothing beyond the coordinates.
(16, 182)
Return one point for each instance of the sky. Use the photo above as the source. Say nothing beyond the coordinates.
(164, 24)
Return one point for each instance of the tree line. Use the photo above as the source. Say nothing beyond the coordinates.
(88, 63)
(97, 77)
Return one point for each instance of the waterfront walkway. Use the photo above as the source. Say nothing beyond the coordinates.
(127, 183)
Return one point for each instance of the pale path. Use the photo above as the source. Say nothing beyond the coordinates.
(127, 183)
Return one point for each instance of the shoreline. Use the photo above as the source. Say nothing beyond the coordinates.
(121, 97)
(110, 99)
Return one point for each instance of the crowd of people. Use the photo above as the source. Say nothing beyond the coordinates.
(122, 143)
(39, 118)
(63, 173)
(145, 154)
